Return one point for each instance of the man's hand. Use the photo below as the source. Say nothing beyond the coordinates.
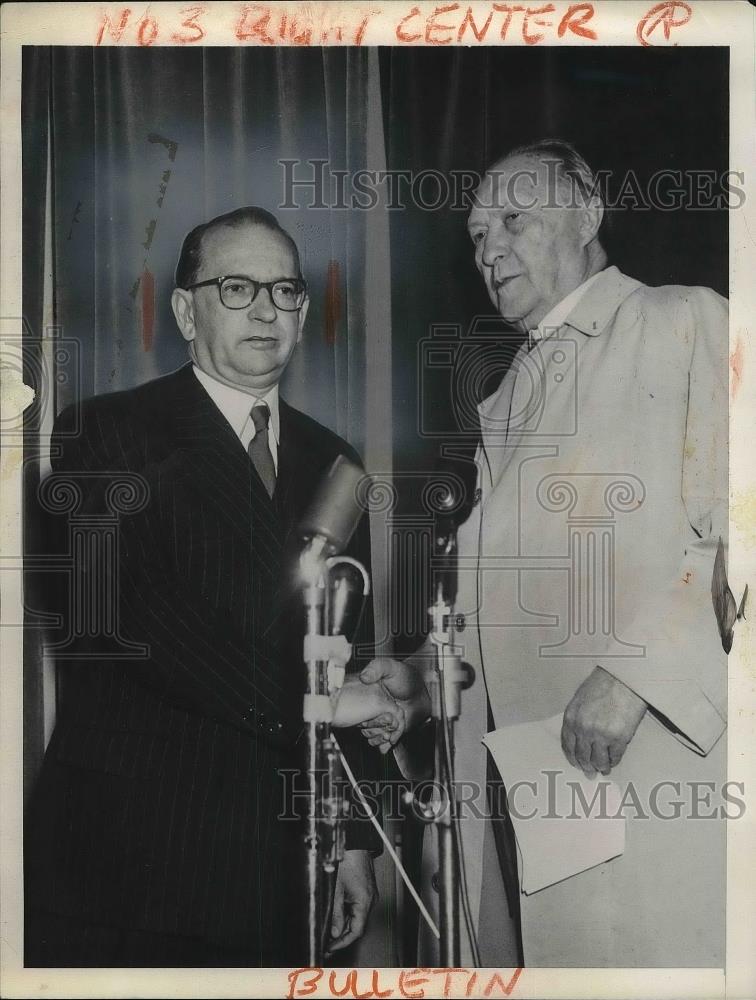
(355, 894)
(357, 702)
(405, 684)
(599, 722)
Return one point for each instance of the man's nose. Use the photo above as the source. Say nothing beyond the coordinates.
(262, 307)
(496, 245)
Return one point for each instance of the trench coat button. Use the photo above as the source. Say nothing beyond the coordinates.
(460, 623)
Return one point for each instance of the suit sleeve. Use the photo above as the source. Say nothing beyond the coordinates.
(190, 654)
(683, 677)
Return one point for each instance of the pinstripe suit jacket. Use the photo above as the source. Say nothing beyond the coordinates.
(158, 800)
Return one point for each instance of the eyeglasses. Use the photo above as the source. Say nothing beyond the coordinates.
(237, 291)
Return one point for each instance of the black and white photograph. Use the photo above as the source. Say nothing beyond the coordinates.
(378, 501)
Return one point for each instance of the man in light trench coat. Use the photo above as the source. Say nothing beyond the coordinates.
(592, 575)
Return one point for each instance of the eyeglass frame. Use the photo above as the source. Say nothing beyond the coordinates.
(257, 285)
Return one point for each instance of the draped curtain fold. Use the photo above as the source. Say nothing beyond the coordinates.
(147, 145)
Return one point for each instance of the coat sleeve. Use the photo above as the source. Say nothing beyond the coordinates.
(683, 676)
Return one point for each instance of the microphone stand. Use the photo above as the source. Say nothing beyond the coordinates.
(445, 681)
(325, 654)
(445, 677)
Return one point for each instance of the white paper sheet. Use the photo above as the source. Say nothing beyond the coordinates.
(564, 822)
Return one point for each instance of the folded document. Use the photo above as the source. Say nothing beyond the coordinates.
(564, 822)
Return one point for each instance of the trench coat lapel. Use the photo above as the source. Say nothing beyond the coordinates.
(596, 309)
(509, 416)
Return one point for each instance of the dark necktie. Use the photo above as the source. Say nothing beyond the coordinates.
(259, 450)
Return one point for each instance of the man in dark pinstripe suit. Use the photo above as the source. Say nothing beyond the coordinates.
(153, 836)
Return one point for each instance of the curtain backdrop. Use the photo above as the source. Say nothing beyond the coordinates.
(147, 144)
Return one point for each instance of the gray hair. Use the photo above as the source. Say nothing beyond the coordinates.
(571, 166)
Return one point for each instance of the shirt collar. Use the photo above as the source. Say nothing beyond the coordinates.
(236, 404)
(557, 316)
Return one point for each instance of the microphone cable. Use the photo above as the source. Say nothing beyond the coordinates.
(387, 843)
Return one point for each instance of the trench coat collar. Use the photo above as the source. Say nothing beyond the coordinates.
(598, 306)
(591, 315)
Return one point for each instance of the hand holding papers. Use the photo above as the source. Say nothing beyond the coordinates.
(564, 822)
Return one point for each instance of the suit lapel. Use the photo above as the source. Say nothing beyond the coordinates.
(221, 470)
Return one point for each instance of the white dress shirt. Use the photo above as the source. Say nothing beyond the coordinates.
(236, 406)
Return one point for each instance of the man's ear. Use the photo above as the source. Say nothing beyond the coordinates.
(302, 317)
(591, 217)
(182, 303)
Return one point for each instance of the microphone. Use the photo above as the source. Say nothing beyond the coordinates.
(330, 521)
(449, 506)
(347, 600)
(333, 514)
(448, 518)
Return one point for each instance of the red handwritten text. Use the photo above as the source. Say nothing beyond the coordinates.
(453, 23)
(664, 15)
(147, 27)
(450, 23)
(198, 32)
(263, 24)
(370, 984)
